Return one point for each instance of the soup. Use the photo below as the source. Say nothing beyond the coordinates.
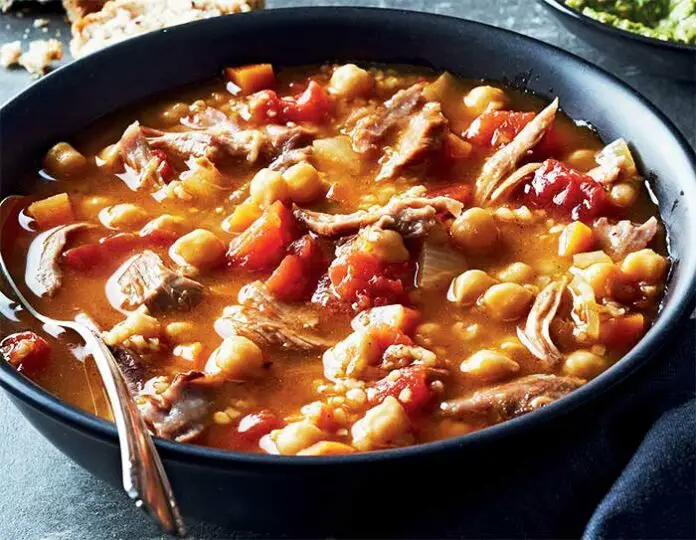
(335, 259)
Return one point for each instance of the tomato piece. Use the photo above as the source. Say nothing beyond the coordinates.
(254, 426)
(557, 186)
(298, 273)
(165, 168)
(311, 106)
(160, 237)
(410, 387)
(459, 192)
(497, 128)
(262, 245)
(26, 351)
(83, 257)
(622, 333)
(266, 107)
(365, 280)
(119, 243)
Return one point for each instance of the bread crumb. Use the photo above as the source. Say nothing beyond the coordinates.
(10, 53)
(40, 55)
(122, 19)
(40, 23)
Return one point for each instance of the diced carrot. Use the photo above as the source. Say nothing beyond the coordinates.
(575, 238)
(622, 332)
(26, 351)
(288, 281)
(53, 211)
(254, 426)
(455, 147)
(251, 78)
(242, 217)
(327, 448)
(263, 244)
(459, 192)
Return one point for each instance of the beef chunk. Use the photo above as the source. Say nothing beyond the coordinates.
(43, 274)
(373, 127)
(625, 237)
(270, 323)
(411, 214)
(423, 135)
(512, 399)
(144, 279)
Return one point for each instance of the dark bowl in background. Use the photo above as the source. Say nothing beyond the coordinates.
(665, 58)
(346, 493)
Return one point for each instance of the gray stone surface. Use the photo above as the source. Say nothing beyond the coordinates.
(43, 495)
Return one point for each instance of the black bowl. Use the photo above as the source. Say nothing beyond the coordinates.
(665, 58)
(261, 491)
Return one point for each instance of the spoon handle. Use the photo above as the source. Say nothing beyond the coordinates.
(144, 478)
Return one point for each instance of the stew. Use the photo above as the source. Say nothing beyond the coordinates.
(334, 259)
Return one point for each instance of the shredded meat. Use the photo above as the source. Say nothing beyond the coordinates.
(625, 237)
(268, 322)
(423, 135)
(372, 127)
(410, 213)
(535, 335)
(511, 399)
(511, 182)
(138, 157)
(43, 275)
(186, 144)
(144, 279)
(506, 159)
(181, 411)
(291, 157)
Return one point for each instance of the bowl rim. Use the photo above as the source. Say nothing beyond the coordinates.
(561, 7)
(45, 403)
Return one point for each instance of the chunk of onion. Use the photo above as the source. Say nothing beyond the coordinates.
(438, 265)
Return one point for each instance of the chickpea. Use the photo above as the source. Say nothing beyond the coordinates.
(386, 244)
(124, 216)
(109, 157)
(295, 437)
(518, 272)
(237, 358)
(507, 301)
(199, 248)
(485, 98)
(466, 288)
(350, 81)
(304, 182)
(623, 194)
(180, 332)
(168, 223)
(138, 322)
(644, 266)
(173, 113)
(475, 230)
(327, 448)
(584, 364)
(600, 276)
(582, 160)
(381, 425)
(489, 365)
(267, 187)
(64, 160)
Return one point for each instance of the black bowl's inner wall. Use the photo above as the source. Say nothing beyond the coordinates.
(66, 101)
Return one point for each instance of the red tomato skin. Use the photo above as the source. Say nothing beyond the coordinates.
(262, 245)
(312, 105)
(26, 351)
(297, 275)
(497, 128)
(160, 237)
(266, 107)
(83, 257)
(165, 167)
(458, 192)
(255, 425)
(119, 243)
(413, 378)
(557, 186)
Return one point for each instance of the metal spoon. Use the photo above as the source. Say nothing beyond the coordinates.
(144, 478)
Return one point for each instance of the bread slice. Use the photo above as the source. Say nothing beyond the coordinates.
(122, 19)
(80, 8)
